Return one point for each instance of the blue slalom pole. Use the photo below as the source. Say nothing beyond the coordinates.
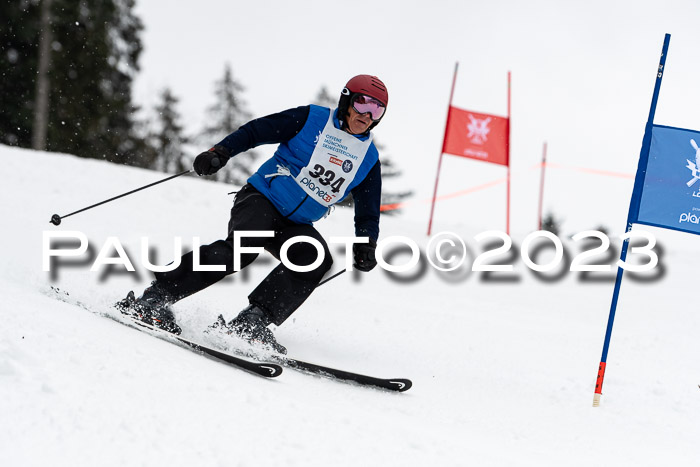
(631, 219)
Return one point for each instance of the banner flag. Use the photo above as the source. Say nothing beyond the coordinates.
(670, 195)
(476, 136)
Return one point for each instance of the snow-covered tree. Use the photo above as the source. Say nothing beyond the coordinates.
(167, 136)
(324, 98)
(551, 223)
(82, 104)
(225, 116)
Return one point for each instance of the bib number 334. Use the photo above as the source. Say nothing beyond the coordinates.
(327, 177)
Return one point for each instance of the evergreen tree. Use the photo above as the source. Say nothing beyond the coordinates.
(93, 59)
(324, 98)
(168, 139)
(391, 199)
(19, 58)
(225, 116)
(551, 223)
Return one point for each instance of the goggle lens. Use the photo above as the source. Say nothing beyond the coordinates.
(363, 104)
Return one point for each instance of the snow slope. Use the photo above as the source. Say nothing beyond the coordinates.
(503, 370)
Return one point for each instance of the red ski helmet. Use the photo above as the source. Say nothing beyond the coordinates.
(362, 84)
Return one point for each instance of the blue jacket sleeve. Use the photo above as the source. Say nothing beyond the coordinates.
(368, 196)
(271, 129)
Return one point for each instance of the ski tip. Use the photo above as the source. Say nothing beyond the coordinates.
(401, 384)
(269, 370)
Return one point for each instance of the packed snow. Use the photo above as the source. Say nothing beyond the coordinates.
(503, 364)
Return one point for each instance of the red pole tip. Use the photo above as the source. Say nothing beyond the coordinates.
(599, 379)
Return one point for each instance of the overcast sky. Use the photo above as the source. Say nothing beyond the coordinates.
(583, 71)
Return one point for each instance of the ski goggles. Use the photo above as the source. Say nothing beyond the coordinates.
(364, 104)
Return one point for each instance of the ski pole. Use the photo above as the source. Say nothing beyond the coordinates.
(56, 219)
(330, 278)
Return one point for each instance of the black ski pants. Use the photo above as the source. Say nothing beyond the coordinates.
(283, 290)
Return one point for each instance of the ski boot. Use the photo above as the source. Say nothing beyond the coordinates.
(152, 308)
(251, 326)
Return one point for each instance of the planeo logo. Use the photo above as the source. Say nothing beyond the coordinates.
(689, 217)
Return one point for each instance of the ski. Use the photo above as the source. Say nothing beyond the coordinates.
(261, 368)
(391, 384)
(264, 369)
(267, 370)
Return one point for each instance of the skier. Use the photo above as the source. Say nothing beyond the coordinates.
(323, 155)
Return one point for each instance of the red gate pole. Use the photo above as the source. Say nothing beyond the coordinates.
(508, 165)
(544, 164)
(442, 150)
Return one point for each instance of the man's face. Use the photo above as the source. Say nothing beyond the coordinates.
(358, 123)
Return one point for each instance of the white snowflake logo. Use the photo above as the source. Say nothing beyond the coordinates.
(478, 129)
(694, 167)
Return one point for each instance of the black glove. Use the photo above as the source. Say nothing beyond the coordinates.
(363, 254)
(212, 160)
